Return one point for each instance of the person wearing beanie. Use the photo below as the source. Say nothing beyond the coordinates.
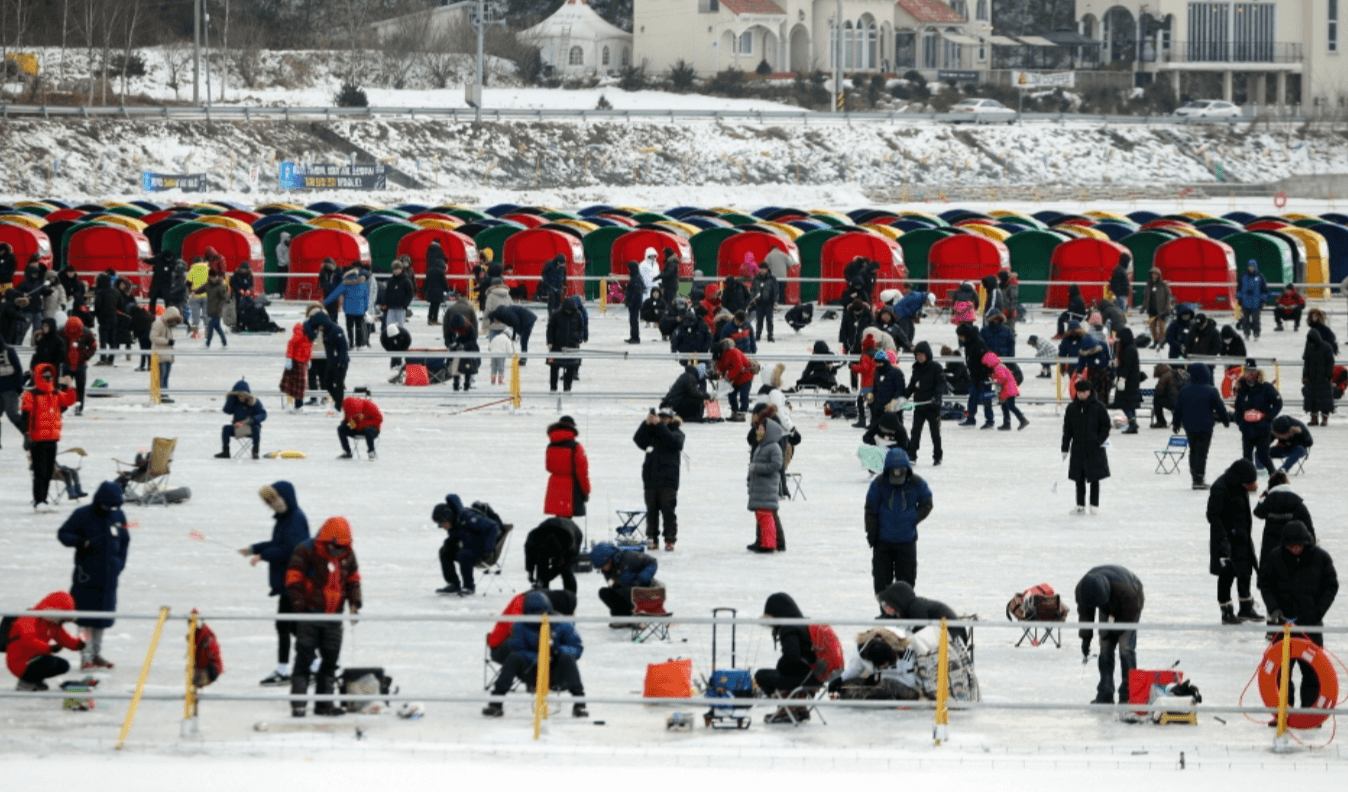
(739, 330)
(246, 415)
(399, 292)
(568, 471)
(1299, 584)
(1230, 547)
(1085, 428)
(661, 440)
(521, 655)
(1044, 349)
(472, 534)
(290, 528)
(1116, 595)
(322, 577)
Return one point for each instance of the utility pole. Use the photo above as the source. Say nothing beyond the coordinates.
(838, 59)
(206, 19)
(196, 51)
(473, 93)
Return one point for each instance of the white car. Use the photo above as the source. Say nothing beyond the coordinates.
(1208, 108)
(988, 108)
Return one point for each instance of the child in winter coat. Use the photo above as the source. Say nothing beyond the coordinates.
(1004, 382)
(299, 351)
(1043, 348)
(246, 416)
(322, 577)
(80, 348)
(41, 408)
(963, 304)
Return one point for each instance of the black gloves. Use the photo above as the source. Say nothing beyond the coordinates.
(870, 539)
(1085, 648)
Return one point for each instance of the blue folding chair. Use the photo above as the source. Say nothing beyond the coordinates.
(1168, 459)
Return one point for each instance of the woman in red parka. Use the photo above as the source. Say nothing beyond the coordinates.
(299, 350)
(34, 642)
(568, 471)
(80, 348)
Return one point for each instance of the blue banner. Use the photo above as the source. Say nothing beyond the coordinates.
(356, 176)
(187, 182)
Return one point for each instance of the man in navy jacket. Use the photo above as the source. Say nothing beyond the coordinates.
(291, 528)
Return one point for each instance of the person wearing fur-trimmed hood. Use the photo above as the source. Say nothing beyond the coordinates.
(246, 415)
(290, 527)
(322, 577)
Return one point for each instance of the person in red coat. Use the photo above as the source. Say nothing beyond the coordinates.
(34, 641)
(42, 407)
(568, 471)
(359, 417)
(1289, 308)
(734, 366)
(299, 350)
(80, 348)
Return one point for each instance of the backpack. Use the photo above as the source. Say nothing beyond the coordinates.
(487, 511)
(841, 409)
(827, 651)
(6, 625)
(365, 682)
(1037, 603)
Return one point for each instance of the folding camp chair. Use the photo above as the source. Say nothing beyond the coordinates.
(808, 696)
(243, 441)
(491, 670)
(490, 564)
(1168, 459)
(628, 534)
(650, 601)
(145, 481)
(1298, 467)
(793, 488)
(60, 481)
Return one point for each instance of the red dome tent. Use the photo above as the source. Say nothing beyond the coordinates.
(965, 257)
(25, 241)
(632, 247)
(528, 250)
(1198, 260)
(100, 247)
(730, 256)
(526, 220)
(307, 251)
(235, 246)
(1085, 262)
(460, 255)
(839, 251)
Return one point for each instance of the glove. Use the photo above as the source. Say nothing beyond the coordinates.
(870, 539)
(1085, 648)
(290, 364)
(1064, 455)
(1175, 430)
(1225, 562)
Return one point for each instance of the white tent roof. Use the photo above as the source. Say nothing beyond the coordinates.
(577, 20)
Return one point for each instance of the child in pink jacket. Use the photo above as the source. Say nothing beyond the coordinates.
(1005, 384)
(963, 304)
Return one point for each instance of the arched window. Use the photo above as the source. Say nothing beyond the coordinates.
(747, 42)
(982, 9)
(604, 62)
(929, 50)
(872, 46)
(849, 46)
(576, 57)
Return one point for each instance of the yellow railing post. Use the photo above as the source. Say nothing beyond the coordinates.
(154, 378)
(1057, 382)
(942, 728)
(982, 299)
(144, 674)
(189, 726)
(515, 397)
(544, 675)
(1277, 375)
(603, 296)
(1284, 678)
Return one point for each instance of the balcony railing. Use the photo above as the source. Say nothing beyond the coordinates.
(1233, 52)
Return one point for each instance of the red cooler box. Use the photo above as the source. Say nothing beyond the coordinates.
(1140, 683)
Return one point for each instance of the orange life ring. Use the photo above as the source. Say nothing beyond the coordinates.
(1280, 200)
(1270, 668)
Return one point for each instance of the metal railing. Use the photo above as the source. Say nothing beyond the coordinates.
(1233, 52)
(465, 115)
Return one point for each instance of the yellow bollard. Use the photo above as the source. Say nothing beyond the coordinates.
(154, 378)
(982, 299)
(144, 674)
(1284, 678)
(190, 696)
(1057, 380)
(603, 296)
(515, 396)
(941, 731)
(1277, 376)
(544, 675)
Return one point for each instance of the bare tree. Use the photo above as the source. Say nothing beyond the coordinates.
(65, 26)
(444, 52)
(246, 57)
(176, 55)
(131, 16)
(399, 50)
(224, 50)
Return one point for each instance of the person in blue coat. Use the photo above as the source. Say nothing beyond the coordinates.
(246, 415)
(565, 649)
(98, 534)
(896, 503)
(472, 535)
(1251, 294)
(908, 310)
(1257, 404)
(1197, 409)
(354, 291)
(290, 530)
(623, 569)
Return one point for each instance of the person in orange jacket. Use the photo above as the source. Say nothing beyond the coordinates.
(322, 577)
(33, 641)
(359, 417)
(41, 408)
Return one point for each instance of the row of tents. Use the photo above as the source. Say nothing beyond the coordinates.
(1192, 248)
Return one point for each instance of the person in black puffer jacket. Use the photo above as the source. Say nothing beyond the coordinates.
(1117, 595)
(734, 295)
(974, 350)
(796, 665)
(633, 292)
(1257, 404)
(1230, 548)
(660, 437)
(461, 336)
(1204, 338)
(692, 337)
(899, 601)
(1317, 373)
(550, 550)
(854, 322)
(437, 267)
(398, 293)
(687, 397)
(1127, 379)
(1278, 506)
(1299, 585)
(566, 330)
(926, 385)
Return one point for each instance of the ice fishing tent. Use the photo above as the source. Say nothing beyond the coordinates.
(632, 245)
(460, 255)
(384, 243)
(598, 245)
(25, 242)
(917, 248)
(1031, 259)
(1085, 262)
(1115, 231)
(705, 246)
(172, 239)
(1195, 260)
(1143, 246)
(1336, 241)
(97, 247)
(494, 238)
(307, 252)
(270, 239)
(730, 256)
(839, 251)
(236, 247)
(56, 233)
(527, 251)
(1316, 252)
(1273, 255)
(966, 257)
(811, 246)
